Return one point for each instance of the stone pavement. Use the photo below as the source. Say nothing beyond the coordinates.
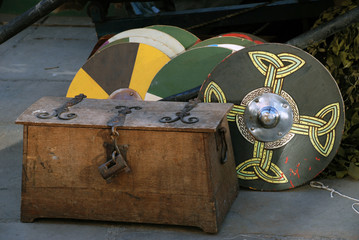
(41, 61)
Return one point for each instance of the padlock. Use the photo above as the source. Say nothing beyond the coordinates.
(116, 164)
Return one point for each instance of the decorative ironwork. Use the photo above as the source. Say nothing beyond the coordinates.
(118, 161)
(183, 114)
(238, 117)
(59, 112)
(120, 118)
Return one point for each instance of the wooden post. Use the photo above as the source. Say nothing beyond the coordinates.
(29, 17)
(326, 30)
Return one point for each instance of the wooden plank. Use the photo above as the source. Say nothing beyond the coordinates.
(223, 175)
(69, 158)
(176, 176)
(198, 211)
(96, 113)
(169, 187)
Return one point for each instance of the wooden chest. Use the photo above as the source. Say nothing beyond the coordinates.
(180, 174)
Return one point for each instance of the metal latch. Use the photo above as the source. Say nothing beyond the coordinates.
(118, 162)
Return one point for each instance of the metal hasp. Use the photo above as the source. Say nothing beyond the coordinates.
(120, 118)
(64, 108)
(183, 114)
(118, 162)
(268, 117)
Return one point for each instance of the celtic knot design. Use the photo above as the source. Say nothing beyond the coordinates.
(213, 90)
(235, 111)
(260, 165)
(275, 68)
(316, 126)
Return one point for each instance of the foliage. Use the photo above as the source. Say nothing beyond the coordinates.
(340, 55)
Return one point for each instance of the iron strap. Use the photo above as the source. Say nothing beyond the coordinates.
(117, 162)
(58, 112)
(119, 119)
(183, 114)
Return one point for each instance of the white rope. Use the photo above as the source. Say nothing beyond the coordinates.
(320, 185)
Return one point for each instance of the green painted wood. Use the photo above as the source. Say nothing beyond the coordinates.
(186, 71)
(186, 38)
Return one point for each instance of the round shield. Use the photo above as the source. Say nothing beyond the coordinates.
(122, 65)
(155, 38)
(247, 36)
(288, 116)
(186, 38)
(224, 40)
(186, 71)
(99, 43)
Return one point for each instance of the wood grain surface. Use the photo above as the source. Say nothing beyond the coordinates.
(176, 177)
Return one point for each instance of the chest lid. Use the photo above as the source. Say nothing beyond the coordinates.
(145, 115)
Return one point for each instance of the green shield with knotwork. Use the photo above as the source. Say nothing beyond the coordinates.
(288, 117)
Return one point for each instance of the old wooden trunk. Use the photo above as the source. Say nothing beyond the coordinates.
(178, 171)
